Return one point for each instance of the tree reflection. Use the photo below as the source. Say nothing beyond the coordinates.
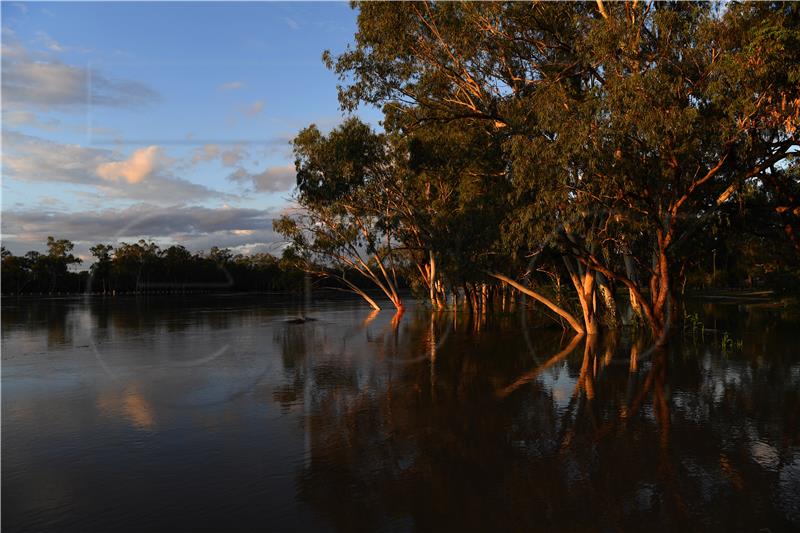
(427, 421)
(467, 438)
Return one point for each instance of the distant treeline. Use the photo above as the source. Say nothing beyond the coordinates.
(145, 267)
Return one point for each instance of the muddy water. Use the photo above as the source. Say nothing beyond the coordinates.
(214, 413)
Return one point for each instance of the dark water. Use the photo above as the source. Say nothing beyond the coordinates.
(214, 414)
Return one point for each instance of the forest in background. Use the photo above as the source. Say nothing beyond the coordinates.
(144, 267)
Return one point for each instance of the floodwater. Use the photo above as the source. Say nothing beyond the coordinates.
(213, 413)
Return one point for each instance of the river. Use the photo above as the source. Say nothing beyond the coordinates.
(215, 413)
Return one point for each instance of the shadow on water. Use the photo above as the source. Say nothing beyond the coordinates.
(218, 414)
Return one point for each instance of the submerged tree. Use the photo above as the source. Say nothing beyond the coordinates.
(624, 126)
(346, 226)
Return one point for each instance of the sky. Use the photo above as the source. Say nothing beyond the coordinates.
(163, 121)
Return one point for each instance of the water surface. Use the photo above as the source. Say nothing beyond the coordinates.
(213, 413)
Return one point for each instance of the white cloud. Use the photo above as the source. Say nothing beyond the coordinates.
(161, 190)
(291, 23)
(43, 83)
(142, 163)
(209, 152)
(232, 157)
(144, 175)
(206, 153)
(52, 45)
(28, 158)
(231, 86)
(272, 179)
(49, 43)
(17, 118)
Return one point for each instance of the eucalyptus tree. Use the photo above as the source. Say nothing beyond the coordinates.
(686, 104)
(345, 226)
(135, 263)
(177, 265)
(15, 271)
(419, 206)
(102, 266)
(58, 259)
(624, 125)
(783, 190)
(452, 204)
(467, 66)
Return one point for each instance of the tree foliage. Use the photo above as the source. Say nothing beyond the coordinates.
(613, 133)
(145, 267)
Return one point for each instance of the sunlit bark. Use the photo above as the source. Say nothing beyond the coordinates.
(538, 297)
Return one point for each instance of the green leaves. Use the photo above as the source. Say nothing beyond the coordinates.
(337, 167)
(517, 126)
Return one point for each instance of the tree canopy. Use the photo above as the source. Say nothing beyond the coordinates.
(605, 137)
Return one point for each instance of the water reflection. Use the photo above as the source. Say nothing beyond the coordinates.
(217, 414)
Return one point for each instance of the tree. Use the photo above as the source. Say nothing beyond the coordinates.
(345, 227)
(135, 263)
(15, 271)
(687, 106)
(177, 265)
(101, 269)
(624, 126)
(142, 266)
(58, 260)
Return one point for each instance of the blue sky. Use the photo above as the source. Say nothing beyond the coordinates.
(167, 121)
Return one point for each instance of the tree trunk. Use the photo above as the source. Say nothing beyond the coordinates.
(630, 272)
(467, 299)
(584, 282)
(606, 289)
(432, 284)
(476, 300)
(661, 299)
(364, 295)
(538, 297)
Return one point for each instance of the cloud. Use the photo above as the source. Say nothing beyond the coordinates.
(209, 152)
(232, 157)
(47, 84)
(195, 227)
(49, 43)
(28, 158)
(272, 179)
(291, 23)
(26, 118)
(144, 175)
(162, 190)
(141, 164)
(231, 86)
(254, 109)
(52, 45)
(206, 152)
